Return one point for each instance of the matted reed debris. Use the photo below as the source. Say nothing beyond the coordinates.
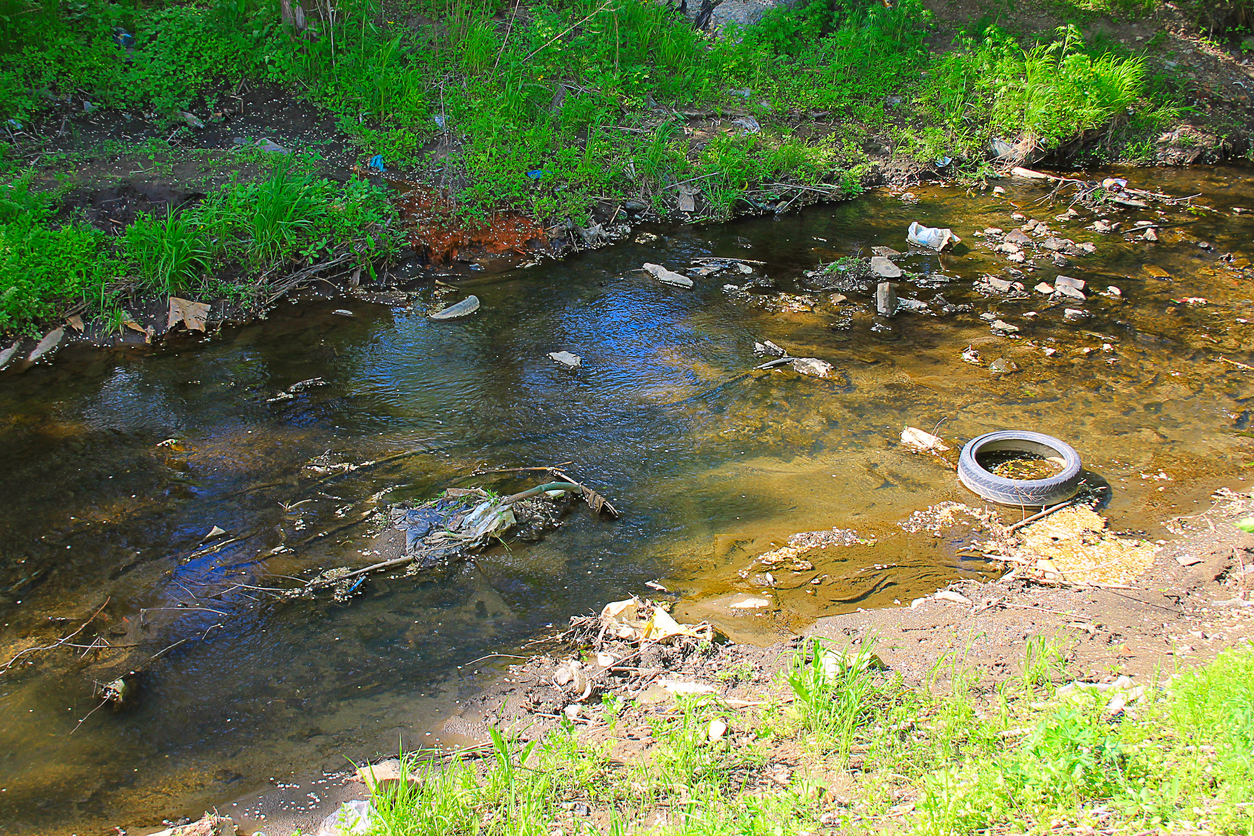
(456, 524)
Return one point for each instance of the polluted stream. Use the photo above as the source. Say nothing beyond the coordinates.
(168, 493)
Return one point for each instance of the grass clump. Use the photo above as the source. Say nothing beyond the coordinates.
(1030, 761)
(250, 231)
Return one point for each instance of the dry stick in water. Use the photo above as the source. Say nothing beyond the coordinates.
(1021, 523)
(59, 642)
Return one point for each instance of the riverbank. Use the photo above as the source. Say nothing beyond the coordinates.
(534, 131)
(1046, 706)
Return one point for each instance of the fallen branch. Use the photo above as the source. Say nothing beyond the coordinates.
(58, 643)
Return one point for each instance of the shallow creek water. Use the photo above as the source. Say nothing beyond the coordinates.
(114, 468)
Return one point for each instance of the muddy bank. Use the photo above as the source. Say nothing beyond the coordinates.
(1193, 602)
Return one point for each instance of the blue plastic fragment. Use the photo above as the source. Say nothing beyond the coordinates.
(376, 162)
(536, 173)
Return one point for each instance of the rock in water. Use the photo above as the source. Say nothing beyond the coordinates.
(47, 345)
(465, 307)
(6, 356)
(1003, 366)
(667, 276)
(812, 366)
(884, 268)
(570, 361)
(885, 299)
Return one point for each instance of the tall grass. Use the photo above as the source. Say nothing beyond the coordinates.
(171, 254)
(1043, 96)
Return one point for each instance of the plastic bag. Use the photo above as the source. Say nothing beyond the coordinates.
(931, 237)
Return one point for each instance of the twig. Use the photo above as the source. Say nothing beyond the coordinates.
(493, 656)
(568, 30)
(88, 714)
(1242, 366)
(1021, 523)
(58, 643)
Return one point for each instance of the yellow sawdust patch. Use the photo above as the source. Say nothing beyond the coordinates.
(1075, 541)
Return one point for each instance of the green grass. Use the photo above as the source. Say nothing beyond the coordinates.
(1179, 759)
(46, 269)
(585, 95)
(1039, 97)
(290, 216)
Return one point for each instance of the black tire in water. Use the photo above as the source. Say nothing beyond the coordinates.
(1049, 491)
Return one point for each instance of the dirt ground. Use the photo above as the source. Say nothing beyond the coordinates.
(1195, 600)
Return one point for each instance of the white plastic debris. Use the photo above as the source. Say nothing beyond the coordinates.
(931, 237)
(565, 358)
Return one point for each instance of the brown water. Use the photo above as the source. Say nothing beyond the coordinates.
(115, 467)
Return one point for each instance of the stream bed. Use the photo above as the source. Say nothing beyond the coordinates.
(115, 467)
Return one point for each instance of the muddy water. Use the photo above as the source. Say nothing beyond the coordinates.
(115, 468)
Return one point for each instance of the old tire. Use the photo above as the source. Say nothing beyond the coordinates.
(1057, 488)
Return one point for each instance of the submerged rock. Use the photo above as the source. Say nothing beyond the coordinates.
(881, 266)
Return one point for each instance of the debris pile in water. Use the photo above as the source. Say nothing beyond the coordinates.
(457, 523)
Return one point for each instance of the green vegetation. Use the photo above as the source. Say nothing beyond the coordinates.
(245, 230)
(876, 754)
(44, 268)
(1038, 98)
(552, 108)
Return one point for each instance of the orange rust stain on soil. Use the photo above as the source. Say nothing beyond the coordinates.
(439, 235)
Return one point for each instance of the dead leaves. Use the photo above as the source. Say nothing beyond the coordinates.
(193, 315)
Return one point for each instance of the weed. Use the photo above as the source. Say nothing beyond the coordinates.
(170, 254)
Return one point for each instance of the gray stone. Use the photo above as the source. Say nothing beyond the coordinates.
(812, 366)
(1016, 236)
(570, 361)
(47, 345)
(1045, 288)
(1003, 366)
(6, 356)
(1074, 315)
(1005, 327)
(885, 299)
(1069, 292)
(884, 268)
(667, 276)
(1003, 285)
(1068, 281)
